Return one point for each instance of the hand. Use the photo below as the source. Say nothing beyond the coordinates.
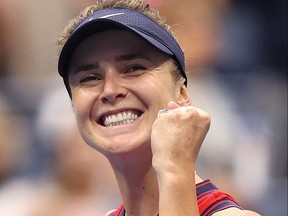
(176, 139)
(177, 136)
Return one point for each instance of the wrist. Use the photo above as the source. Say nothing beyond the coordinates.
(170, 168)
(172, 175)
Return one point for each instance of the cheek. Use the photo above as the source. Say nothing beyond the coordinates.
(82, 106)
(158, 94)
(82, 109)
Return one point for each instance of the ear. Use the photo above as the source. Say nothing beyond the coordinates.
(183, 96)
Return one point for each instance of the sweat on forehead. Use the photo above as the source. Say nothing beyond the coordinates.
(121, 18)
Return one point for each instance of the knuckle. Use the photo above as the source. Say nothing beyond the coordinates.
(207, 119)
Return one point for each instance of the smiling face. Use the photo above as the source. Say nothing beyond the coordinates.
(118, 84)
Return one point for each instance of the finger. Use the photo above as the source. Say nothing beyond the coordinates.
(172, 105)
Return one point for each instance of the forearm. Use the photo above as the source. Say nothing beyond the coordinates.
(177, 193)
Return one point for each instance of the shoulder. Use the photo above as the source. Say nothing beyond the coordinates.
(109, 213)
(236, 212)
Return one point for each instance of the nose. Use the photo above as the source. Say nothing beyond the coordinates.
(113, 88)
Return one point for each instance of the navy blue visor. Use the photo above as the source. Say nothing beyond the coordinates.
(123, 18)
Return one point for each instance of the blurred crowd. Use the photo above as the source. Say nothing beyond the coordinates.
(236, 54)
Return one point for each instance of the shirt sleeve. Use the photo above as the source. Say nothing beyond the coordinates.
(211, 199)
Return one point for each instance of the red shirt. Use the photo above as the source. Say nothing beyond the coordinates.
(210, 200)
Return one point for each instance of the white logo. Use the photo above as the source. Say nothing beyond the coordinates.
(106, 16)
(111, 15)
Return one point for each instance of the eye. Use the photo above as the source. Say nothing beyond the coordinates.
(89, 78)
(135, 70)
(136, 67)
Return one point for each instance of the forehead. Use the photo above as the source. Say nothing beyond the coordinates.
(114, 46)
(115, 39)
(110, 44)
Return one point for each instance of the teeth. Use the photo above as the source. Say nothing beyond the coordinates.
(119, 119)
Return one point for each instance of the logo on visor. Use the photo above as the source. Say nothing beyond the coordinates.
(107, 16)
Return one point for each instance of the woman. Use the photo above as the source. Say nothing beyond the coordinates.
(125, 74)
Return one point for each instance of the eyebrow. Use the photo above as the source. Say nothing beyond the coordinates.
(86, 67)
(124, 57)
(131, 56)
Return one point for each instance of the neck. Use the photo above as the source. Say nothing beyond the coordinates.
(137, 183)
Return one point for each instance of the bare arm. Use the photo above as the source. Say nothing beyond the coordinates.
(176, 139)
(235, 212)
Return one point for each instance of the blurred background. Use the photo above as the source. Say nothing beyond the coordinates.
(236, 53)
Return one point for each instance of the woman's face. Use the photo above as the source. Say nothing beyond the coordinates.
(119, 83)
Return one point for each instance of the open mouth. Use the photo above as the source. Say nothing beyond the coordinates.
(121, 118)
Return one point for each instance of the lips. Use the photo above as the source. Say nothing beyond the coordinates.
(120, 118)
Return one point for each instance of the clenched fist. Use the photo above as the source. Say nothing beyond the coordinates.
(177, 136)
